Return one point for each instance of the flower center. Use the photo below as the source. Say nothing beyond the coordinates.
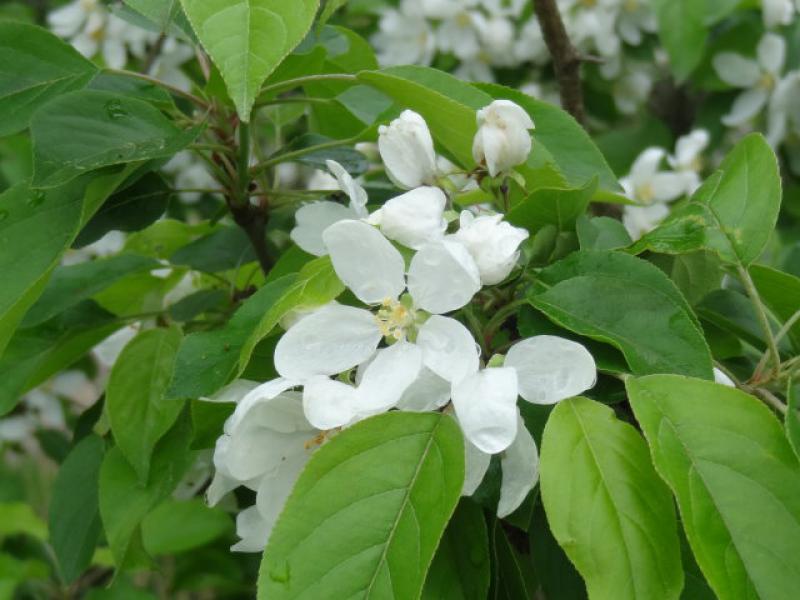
(645, 193)
(767, 81)
(630, 5)
(394, 319)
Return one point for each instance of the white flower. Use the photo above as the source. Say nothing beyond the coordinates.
(107, 351)
(504, 8)
(167, 67)
(414, 218)
(111, 243)
(496, 35)
(688, 158)
(757, 77)
(442, 277)
(190, 174)
(406, 148)
(721, 378)
(492, 242)
(502, 140)
(636, 17)
(404, 39)
(632, 89)
(783, 115)
(530, 44)
(314, 218)
(647, 184)
(265, 444)
(459, 35)
(436, 9)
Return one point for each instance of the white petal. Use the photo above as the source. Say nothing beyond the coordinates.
(428, 392)
(365, 261)
(721, 378)
(736, 70)
(551, 368)
(668, 186)
(486, 407)
(114, 54)
(746, 106)
(269, 403)
(443, 277)
(329, 404)
(520, 463)
(414, 218)
(639, 220)
(771, 53)
(329, 341)
(275, 489)
(220, 485)
(476, 463)
(312, 219)
(387, 377)
(448, 348)
(406, 148)
(688, 148)
(253, 530)
(354, 191)
(646, 165)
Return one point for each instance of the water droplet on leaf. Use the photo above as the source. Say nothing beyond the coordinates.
(115, 111)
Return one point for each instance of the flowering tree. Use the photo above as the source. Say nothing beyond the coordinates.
(423, 299)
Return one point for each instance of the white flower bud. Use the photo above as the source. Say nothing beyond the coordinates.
(414, 218)
(406, 148)
(502, 140)
(493, 244)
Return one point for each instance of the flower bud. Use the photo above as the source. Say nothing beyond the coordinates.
(413, 218)
(406, 148)
(502, 140)
(493, 244)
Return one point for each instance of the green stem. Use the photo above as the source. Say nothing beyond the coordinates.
(761, 314)
(289, 156)
(292, 100)
(500, 317)
(299, 81)
(170, 88)
(474, 324)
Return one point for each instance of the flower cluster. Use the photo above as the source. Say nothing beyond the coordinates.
(653, 187)
(401, 346)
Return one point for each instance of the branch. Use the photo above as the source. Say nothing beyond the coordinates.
(566, 58)
(253, 220)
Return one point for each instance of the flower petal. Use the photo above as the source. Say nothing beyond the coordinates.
(365, 261)
(354, 191)
(448, 348)
(275, 489)
(771, 53)
(476, 463)
(413, 218)
(312, 219)
(259, 394)
(387, 377)
(736, 70)
(252, 529)
(668, 186)
(331, 340)
(551, 368)
(329, 404)
(486, 407)
(746, 106)
(443, 277)
(520, 463)
(428, 392)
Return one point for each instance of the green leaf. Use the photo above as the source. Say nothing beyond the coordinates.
(197, 303)
(460, 567)
(18, 518)
(223, 249)
(696, 274)
(35, 67)
(124, 501)
(36, 354)
(606, 505)
(403, 473)
(74, 512)
(207, 360)
(781, 293)
(733, 213)
(177, 526)
(160, 12)
(131, 209)
(548, 206)
(70, 284)
(513, 575)
(137, 409)
(633, 306)
(601, 233)
(247, 39)
(557, 575)
(90, 129)
(736, 480)
(36, 227)
(683, 32)
(316, 284)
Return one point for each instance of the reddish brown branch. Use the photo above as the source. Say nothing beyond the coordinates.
(566, 58)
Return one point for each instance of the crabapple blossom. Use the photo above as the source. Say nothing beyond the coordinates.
(502, 141)
(406, 148)
(414, 218)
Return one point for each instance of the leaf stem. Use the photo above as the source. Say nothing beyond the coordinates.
(298, 81)
(288, 156)
(243, 166)
(761, 314)
(170, 88)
